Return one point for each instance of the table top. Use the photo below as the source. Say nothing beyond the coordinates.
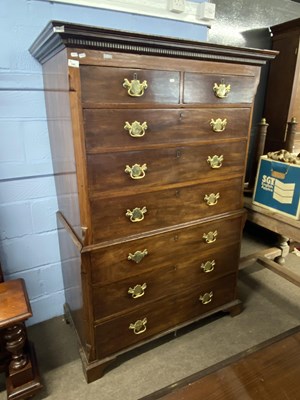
(272, 220)
(14, 303)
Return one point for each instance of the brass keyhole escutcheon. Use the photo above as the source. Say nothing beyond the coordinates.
(218, 125)
(137, 291)
(137, 171)
(210, 237)
(137, 256)
(208, 266)
(212, 199)
(137, 214)
(206, 298)
(136, 129)
(139, 326)
(215, 161)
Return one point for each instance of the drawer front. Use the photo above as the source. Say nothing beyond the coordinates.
(109, 172)
(162, 282)
(199, 88)
(114, 217)
(119, 333)
(185, 245)
(106, 85)
(115, 129)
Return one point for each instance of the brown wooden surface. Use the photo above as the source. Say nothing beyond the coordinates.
(14, 303)
(164, 208)
(161, 282)
(283, 90)
(56, 84)
(88, 106)
(198, 88)
(272, 220)
(109, 87)
(104, 262)
(163, 315)
(19, 360)
(269, 371)
(285, 273)
(74, 273)
(177, 165)
(105, 128)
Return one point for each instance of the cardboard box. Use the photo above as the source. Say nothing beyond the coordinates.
(277, 187)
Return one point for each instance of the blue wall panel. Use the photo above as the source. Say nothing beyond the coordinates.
(28, 229)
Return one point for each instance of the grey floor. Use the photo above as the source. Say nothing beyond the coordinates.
(271, 306)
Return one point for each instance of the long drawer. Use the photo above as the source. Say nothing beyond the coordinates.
(141, 128)
(182, 164)
(131, 258)
(162, 282)
(116, 217)
(154, 318)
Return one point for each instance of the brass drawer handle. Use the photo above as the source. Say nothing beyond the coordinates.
(215, 161)
(137, 256)
(137, 171)
(221, 90)
(210, 237)
(136, 129)
(206, 298)
(137, 291)
(212, 199)
(218, 125)
(139, 326)
(137, 214)
(135, 87)
(208, 266)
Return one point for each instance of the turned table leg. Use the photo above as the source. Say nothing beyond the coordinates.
(19, 363)
(19, 369)
(284, 247)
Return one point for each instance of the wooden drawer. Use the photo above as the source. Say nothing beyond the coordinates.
(164, 208)
(115, 335)
(162, 281)
(105, 85)
(198, 88)
(183, 164)
(111, 263)
(104, 129)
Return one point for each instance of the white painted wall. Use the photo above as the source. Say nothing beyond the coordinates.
(28, 233)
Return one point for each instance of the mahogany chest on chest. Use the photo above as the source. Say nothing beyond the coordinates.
(149, 137)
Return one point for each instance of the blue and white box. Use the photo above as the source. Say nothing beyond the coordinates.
(277, 187)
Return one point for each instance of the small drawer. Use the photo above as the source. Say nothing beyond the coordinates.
(162, 281)
(131, 258)
(103, 85)
(134, 128)
(219, 89)
(116, 217)
(134, 171)
(152, 319)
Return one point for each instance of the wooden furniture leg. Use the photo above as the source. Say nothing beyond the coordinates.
(284, 247)
(258, 151)
(22, 376)
(290, 135)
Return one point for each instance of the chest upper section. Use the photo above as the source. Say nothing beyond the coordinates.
(107, 79)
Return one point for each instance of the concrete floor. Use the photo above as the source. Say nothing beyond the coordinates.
(271, 306)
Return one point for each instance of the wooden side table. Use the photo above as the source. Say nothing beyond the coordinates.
(22, 376)
(287, 228)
